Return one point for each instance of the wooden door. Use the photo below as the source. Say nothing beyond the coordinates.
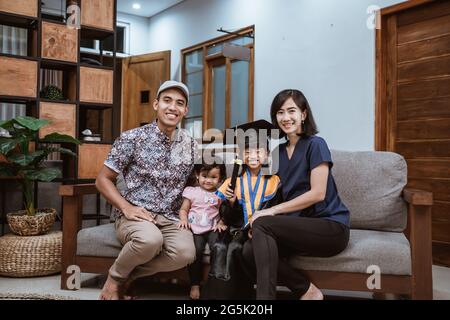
(141, 77)
(413, 102)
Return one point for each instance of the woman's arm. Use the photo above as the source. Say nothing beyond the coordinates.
(319, 179)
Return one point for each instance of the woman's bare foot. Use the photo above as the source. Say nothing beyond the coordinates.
(195, 292)
(110, 290)
(313, 293)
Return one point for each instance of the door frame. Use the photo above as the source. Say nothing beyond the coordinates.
(148, 57)
(385, 73)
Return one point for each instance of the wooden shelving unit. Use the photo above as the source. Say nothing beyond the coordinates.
(88, 89)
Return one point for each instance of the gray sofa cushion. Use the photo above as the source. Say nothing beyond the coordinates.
(388, 250)
(370, 184)
(100, 241)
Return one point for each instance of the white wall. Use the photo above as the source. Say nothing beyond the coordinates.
(139, 40)
(323, 48)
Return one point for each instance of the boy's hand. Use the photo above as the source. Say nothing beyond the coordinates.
(184, 224)
(229, 193)
(220, 226)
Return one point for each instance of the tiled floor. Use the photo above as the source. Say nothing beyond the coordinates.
(91, 285)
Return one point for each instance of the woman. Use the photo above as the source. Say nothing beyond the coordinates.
(312, 220)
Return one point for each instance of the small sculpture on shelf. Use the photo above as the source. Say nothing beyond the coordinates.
(89, 136)
(52, 92)
(27, 164)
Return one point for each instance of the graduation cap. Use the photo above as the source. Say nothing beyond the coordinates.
(254, 134)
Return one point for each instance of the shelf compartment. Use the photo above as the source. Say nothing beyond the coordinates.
(98, 14)
(95, 33)
(98, 119)
(59, 42)
(91, 158)
(63, 78)
(62, 117)
(27, 8)
(96, 85)
(23, 71)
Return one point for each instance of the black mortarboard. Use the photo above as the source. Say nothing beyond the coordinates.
(253, 132)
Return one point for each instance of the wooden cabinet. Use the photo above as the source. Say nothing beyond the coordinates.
(90, 159)
(21, 7)
(53, 58)
(18, 77)
(98, 14)
(62, 117)
(59, 42)
(96, 85)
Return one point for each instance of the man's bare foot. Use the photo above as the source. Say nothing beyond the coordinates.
(313, 293)
(110, 290)
(195, 292)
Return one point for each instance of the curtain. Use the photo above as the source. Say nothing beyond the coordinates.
(12, 41)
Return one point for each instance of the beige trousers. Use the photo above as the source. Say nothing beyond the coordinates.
(149, 248)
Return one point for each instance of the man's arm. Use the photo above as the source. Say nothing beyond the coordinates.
(106, 185)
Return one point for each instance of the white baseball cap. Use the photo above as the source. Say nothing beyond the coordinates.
(174, 84)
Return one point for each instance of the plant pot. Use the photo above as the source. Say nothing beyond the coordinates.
(24, 225)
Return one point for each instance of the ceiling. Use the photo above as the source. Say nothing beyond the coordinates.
(148, 7)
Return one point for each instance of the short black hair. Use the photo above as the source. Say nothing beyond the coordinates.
(198, 168)
(310, 127)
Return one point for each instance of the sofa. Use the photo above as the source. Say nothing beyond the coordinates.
(390, 240)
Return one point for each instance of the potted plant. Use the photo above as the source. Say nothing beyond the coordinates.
(28, 166)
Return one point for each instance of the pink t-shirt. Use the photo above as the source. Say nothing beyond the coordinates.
(204, 213)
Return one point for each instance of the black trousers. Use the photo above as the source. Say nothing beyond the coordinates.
(195, 269)
(277, 238)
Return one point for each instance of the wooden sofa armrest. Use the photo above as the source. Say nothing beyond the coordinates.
(77, 189)
(418, 197)
(418, 232)
(72, 219)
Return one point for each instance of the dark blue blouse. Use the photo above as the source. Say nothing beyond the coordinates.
(295, 175)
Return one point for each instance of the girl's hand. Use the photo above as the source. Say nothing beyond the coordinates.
(220, 226)
(184, 224)
(262, 213)
(229, 193)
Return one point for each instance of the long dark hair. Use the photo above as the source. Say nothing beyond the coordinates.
(309, 128)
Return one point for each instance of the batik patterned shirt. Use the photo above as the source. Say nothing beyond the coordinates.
(155, 169)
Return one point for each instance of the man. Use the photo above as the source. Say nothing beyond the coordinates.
(156, 161)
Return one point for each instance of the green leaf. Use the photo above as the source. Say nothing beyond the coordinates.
(31, 123)
(60, 138)
(26, 159)
(45, 175)
(7, 125)
(6, 170)
(8, 144)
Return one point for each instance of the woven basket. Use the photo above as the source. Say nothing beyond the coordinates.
(24, 225)
(30, 256)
